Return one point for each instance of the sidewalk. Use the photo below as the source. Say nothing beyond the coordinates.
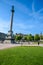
(3, 46)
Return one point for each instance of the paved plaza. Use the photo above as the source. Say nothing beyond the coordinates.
(4, 46)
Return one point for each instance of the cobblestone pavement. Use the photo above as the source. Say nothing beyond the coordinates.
(3, 46)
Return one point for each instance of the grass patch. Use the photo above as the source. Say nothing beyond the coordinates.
(22, 56)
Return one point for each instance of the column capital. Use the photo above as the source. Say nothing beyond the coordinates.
(12, 9)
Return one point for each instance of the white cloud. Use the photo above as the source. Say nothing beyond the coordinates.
(34, 15)
(33, 9)
(22, 7)
(37, 16)
(4, 26)
(23, 26)
(17, 5)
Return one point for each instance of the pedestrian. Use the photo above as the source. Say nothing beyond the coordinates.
(38, 42)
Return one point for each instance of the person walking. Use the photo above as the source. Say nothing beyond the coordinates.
(38, 42)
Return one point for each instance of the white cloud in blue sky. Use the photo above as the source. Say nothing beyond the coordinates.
(28, 16)
(4, 26)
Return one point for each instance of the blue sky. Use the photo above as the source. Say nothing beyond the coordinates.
(28, 16)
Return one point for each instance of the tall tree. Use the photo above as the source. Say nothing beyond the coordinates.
(30, 37)
(36, 37)
(18, 37)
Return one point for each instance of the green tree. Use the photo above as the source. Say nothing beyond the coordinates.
(30, 37)
(41, 36)
(36, 37)
(25, 38)
(18, 37)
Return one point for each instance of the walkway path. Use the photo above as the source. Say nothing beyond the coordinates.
(3, 46)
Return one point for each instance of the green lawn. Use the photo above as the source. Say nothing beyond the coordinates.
(22, 56)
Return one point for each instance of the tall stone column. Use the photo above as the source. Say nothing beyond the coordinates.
(11, 23)
(9, 38)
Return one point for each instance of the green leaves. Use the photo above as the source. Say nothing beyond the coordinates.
(36, 37)
(28, 37)
(18, 37)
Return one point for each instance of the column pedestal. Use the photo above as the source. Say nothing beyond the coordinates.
(9, 38)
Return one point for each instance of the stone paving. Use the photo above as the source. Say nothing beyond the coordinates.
(3, 46)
